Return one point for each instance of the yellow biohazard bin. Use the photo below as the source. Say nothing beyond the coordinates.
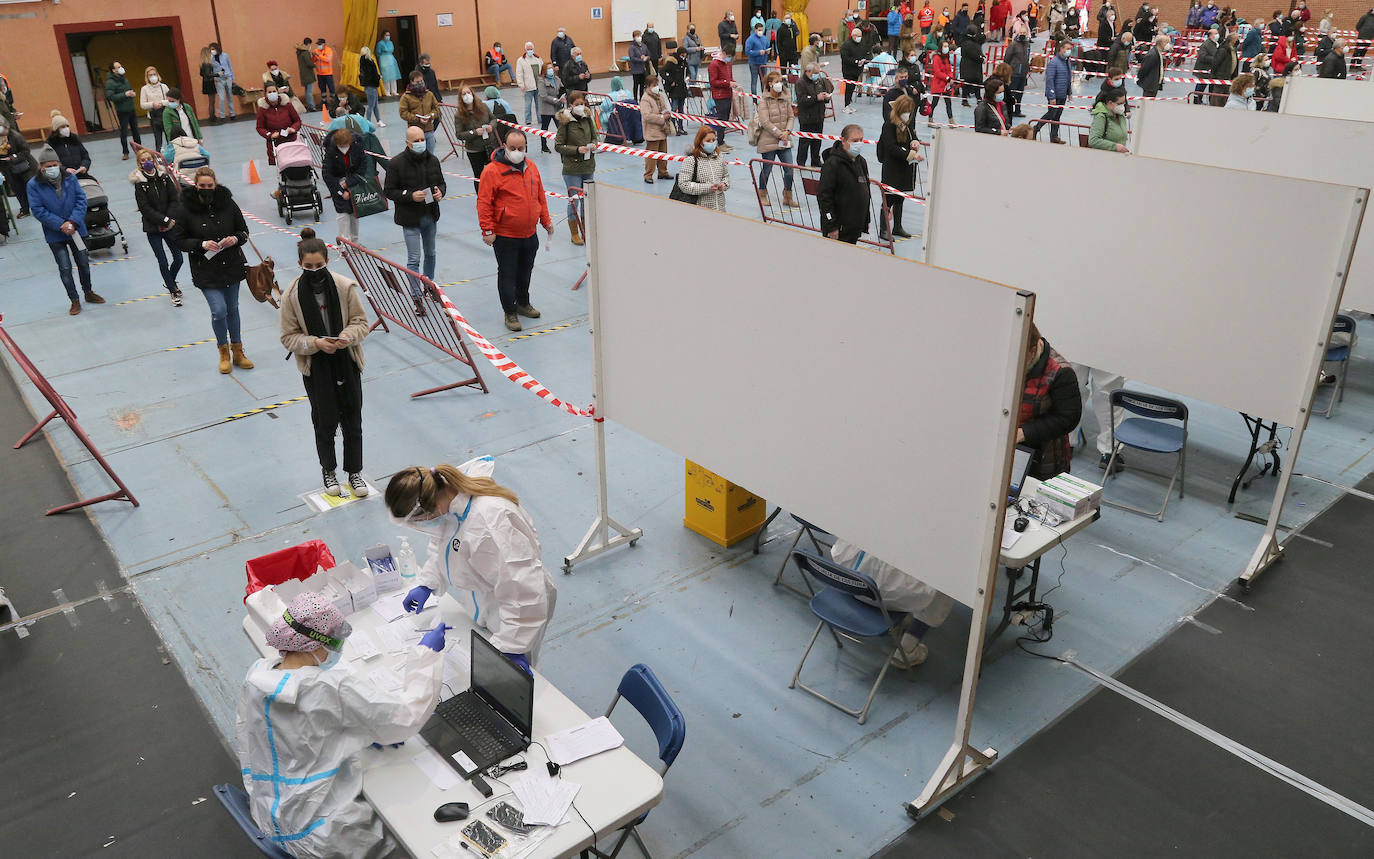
(719, 510)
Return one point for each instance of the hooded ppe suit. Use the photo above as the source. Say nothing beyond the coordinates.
(298, 735)
(902, 592)
(488, 546)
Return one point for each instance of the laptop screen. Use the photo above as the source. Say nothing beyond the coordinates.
(502, 684)
(1020, 464)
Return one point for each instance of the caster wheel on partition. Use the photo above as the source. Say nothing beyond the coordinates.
(567, 566)
(634, 542)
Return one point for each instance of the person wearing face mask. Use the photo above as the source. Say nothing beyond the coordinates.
(177, 120)
(324, 68)
(852, 59)
(415, 184)
(789, 42)
(941, 82)
(691, 43)
(575, 144)
(387, 65)
(213, 233)
(156, 193)
(658, 127)
(704, 174)
(728, 35)
(59, 204)
(899, 151)
(527, 70)
(16, 165)
(305, 65)
(1057, 77)
(152, 97)
(989, 117)
(811, 54)
(813, 92)
(277, 78)
(120, 94)
(344, 166)
(844, 194)
(575, 74)
(1018, 59)
(224, 83)
(1224, 65)
(277, 121)
(370, 79)
(473, 124)
(483, 546)
(1206, 57)
(673, 74)
(510, 207)
(1242, 95)
(901, 85)
(776, 140)
(1113, 85)
(1119, 54)
(1333, 65)
(550, 101)
(639, 63)
(496, 63)
(1151, 72)
(653, 43)
(304, 716)
(323, 323)
(756, 49)
(1263, 73)
(970, 64)
(1108, 130)
(71, 152)
(420, 109)
(721, 75)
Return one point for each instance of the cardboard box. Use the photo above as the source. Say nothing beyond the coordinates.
(361, 586)
(385, 571)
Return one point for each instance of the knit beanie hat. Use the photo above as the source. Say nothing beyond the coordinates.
(58, 120)
(46, 154)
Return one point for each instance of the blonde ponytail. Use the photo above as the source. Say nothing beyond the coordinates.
(420, 487)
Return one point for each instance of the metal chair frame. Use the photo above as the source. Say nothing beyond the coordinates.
(1149, 405)
(1342, 325)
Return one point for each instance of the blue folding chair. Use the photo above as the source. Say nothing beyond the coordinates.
(1340, 355)
(816, 534)
(641, 688)
(838, 607)
(1163, 429)
(235, 802)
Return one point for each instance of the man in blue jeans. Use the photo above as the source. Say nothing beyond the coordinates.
(59, 204)
(756, 49)
(1058, 75)
(415, 184)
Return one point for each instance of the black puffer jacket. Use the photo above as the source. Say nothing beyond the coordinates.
(971, 57)
(200, 221)
(340, 174)
(407, 173)
(843, 193)
(156, 197)
(893, 153)
(71, 152)
(811, 109)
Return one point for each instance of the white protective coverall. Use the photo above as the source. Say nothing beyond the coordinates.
(299, 732)
(902, 592)
(488, 546)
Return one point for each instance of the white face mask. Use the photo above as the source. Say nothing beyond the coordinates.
(515, 156)
(1118, 109)
(639, 40)
(562, 34)
(467, 98)
(945, 49)
(529, 52)
(658, 90)
(64, 131)
(272, 97)
(904, 118)
(152, 79)
(579, 110)
(777, 86)
(119, 70)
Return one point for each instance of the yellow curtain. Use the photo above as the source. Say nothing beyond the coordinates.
(798, 10)
(360, 28)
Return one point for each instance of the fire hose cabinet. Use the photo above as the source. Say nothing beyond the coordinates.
(719, 510)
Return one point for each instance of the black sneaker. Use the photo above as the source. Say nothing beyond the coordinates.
(1117, 466)
(176, 298)
(357, 485)
(331, 483)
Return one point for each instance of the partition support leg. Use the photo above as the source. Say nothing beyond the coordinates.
(598, 538)
(1270, 549)
(33, 432)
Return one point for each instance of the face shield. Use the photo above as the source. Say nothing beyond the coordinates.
(419, 519)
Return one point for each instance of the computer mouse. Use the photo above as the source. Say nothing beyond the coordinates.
(1020, 524)
(451, 811)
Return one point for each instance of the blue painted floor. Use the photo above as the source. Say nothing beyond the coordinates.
(762, 764)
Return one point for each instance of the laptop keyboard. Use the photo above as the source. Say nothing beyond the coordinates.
(477, 724)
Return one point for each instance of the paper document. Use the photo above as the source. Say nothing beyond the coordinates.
(388, 609)
(386, 679)
(81, 243)
(361, 646)
(1009, 538)
(391, 639)
(583, 741)
(439, 772)
(544, 800)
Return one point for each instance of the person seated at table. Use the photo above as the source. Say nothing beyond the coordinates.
(902, 592)
(1050, 408)
(482, 541)
(302, 719)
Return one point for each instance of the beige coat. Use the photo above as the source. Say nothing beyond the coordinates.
(657, 124)
(775, 118)
(296, 339)
(809, 55)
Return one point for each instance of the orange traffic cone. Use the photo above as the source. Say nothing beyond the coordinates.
(253, 177)
(324, 114)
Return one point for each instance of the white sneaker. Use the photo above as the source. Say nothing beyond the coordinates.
(357, 485)
(331, 483)
(911, 655)
(381, 124)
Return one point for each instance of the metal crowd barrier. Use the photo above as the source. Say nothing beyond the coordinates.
(807, 216)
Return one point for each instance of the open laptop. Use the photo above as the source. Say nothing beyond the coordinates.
(1020, 464)
(491, 720)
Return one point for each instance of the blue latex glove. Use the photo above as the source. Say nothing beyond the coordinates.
(416, 599)
(434, 639)
(392, 746)
(521, 660)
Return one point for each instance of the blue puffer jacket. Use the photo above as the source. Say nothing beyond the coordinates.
(756, 47)
(53, 211)
(1057, 77)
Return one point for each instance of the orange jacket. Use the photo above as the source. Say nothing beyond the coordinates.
(511, 201)
(324, 61)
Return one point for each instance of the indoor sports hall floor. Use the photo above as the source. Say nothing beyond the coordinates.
(762, 765)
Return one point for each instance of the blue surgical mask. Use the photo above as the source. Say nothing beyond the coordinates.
(52, 172)
(999, 96)
(417, 146)
(173, 104)
(815, 76)
(1249, 91)
(708, 147)
(331, 660)
(856, 147)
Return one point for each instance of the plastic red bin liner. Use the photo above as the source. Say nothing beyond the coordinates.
(293, 562)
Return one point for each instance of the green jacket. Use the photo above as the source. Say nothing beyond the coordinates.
(171, 121)
(1108, 129)
(116, 87)
(305, 64)
(572, 133)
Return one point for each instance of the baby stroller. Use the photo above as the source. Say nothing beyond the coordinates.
(101, 224)
(296, 189)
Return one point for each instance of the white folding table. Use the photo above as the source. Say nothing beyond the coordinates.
(617, 786)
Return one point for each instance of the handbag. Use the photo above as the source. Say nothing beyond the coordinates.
(262, 278)
(680, 195)
(367, 198)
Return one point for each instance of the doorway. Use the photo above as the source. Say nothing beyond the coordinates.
(90, 48)
(405, 38)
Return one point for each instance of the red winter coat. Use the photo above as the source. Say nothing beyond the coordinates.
(941, 70)
(998, 16)
(1283, 55)
(277, 117)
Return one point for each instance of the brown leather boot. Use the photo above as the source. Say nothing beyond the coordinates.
(240, 360)
(788, 200)
(75, 309)
(763, 199)
(576, 231)
(224, 365)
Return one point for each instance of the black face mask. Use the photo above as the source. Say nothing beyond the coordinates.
(318, 279)
(206, 195)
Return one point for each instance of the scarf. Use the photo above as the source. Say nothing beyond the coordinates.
(325, 367)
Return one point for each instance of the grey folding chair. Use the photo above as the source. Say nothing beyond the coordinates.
(1162, 429)
(1339, 354)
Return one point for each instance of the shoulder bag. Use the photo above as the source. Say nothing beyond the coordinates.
(262, 278)
(680, 195)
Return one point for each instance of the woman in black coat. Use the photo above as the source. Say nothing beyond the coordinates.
(899, 151)
(345, 165)
(213, 233)
(990, 116)
(970, 64)
(71, 152)
(156, 193)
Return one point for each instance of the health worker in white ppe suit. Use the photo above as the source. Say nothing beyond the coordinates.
(304, 716)
(902, 592)
(480, 541)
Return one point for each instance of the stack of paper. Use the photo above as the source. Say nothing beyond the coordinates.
(388, 609)
(544, 800)
(361, 646)
(392, 638)
(583, 741)
(433, 766)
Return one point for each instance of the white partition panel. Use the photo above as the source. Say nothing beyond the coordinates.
(630, 15)
(1168, 273)
(1328, 97)
(869, 394)
(1301, 147)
